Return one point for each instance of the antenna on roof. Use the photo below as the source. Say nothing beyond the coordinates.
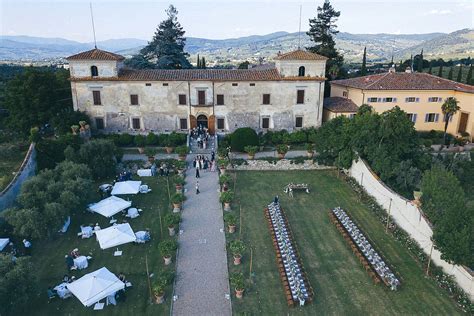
(299, 30)
(93, 26)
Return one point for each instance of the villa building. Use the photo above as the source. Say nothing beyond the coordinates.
(419, 94)
(287, 95)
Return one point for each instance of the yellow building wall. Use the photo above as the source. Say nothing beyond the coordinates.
(329, 115)
(421, 108)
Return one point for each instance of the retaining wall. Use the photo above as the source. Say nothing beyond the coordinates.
(27, 169)
(411, 219)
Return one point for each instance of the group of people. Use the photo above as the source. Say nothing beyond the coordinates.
(201, 135)
(202, 162)
(70, 259)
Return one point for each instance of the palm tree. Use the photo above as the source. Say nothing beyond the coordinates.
(449, 108)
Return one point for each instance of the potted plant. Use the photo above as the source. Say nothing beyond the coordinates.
(177, 199)
(179, 183)
(251, 150)
(237, 281)
(150, 152)
(172, 220)
(180, 165)
(182, 151)
(222, 165)
(237, 247)
(159, 290)
(310, 150)
(222, 153)
(169, 146)
(224, 181)
(230, 220)
(140, 142)
(74, 129)
(226, 197)
(282, 150)
(167, 248)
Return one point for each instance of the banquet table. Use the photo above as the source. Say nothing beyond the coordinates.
(81, 262)
(86, 231)
(144, 172)
(62, 290)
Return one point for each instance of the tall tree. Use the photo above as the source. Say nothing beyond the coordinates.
(166, 49)
(459, 77)
(449, 108)
(450, 73)
(363, 69)
(469, 76)
(440, 71)
(430, 70)
(198, 64)
(322, 30)
(203, 63)
(419, 65)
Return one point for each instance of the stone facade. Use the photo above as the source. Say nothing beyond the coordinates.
(160, 109)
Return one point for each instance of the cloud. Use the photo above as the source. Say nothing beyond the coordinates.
(438, 12)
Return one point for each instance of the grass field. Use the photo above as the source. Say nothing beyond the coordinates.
(48, 258)
(340, 283)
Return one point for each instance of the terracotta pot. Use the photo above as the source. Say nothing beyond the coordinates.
(167, 260)
(237, 260)
(169, 150)
(227, 206)
(181, 157)
(171, 231)
(222, 169)
(231, 229)
(239, 293)
(251, 157)
(160, 298)
(176, 207)
(141, 150)
(281, 156)
(179, 188)
(181, 172)
(310, 154)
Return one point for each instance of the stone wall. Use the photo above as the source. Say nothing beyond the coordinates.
(283, 164)
(27, 169)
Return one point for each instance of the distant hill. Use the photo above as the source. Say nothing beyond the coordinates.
(380, 47)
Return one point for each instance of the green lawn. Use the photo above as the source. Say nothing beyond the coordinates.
(48, 258)
(340, 283)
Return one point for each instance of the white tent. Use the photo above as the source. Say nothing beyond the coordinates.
(3, 243)
(110, 206)
(115, 235)
(95, 286)
(126, 187)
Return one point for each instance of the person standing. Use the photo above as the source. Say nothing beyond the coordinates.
(197, 187)
(27, 245)
(197, 172)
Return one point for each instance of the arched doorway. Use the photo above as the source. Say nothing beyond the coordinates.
(202, 121)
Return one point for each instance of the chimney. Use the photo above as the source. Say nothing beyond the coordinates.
(408, 70)
(392, 69)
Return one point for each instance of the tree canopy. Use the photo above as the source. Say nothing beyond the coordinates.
(47, 199)
(166, 49)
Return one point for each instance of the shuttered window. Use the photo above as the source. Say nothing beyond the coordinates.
(300, 97)
(265, 122)
(99, 123)
(136, 123)
(220, 123)
(220, 99)
(183, 123)
(299, 121)
(96, 97)
(431, 117)
(182, 99)
(134, 99)
(201, 97)
(266, 98)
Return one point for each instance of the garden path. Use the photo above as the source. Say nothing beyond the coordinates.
(202, 286)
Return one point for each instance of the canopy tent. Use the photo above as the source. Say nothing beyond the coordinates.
(126, 187)
(110, 206)
(95, 286)
(3, 243)
(115, 235)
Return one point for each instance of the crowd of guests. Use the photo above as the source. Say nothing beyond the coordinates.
(205, 163)
(201, 135)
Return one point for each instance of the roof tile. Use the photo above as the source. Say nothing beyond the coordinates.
(340, 104)
(96, 54)
(300, 54)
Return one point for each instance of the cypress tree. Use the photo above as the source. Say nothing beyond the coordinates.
(198, 65)
(166, 48)
(450, 73)
(440, 71)
(322, 30)
(400, 66)
(419, 67)
(363, 69)
(469, 76)
(430, 70)
(459, 77)
(203, 63)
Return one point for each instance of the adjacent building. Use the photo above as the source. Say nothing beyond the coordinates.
(419, 94)
(287, 95)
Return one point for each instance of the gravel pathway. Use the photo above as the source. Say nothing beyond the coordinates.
(202, 285)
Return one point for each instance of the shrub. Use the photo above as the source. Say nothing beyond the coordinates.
(167, 247)
(125, 139)
(139, 140)
(251, 150)
(242, 137)
(178, 180)
(230, 219)
(222, 152)
(226, 197)
(177, 198)
(225, 178)
(176, 139)
(237, 280)
(237, 247)
(182, 150)
(150, 152)
(282, 149)
(34, 135)
(298, 137)
(151, 139)
(172, 219)
(310, 147)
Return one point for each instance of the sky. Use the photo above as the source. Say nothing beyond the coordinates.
(219, 19)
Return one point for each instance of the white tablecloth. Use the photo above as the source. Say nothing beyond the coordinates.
(144, 172)
(62, 290)
(3, 243)
(86, 231)
(132, 212)
(81, 262)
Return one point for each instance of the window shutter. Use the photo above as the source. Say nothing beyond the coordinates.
(406, 99)
(426, 117)
(436, 117)
(440, 99)
(417, 99)
(379, 100)
(394, 100)
(414, 118)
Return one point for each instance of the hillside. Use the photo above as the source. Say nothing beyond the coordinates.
(379, 46)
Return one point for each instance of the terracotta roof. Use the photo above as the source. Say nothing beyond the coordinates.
(403, 81)
(340, 104)
(96, 54)
(300, 54)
